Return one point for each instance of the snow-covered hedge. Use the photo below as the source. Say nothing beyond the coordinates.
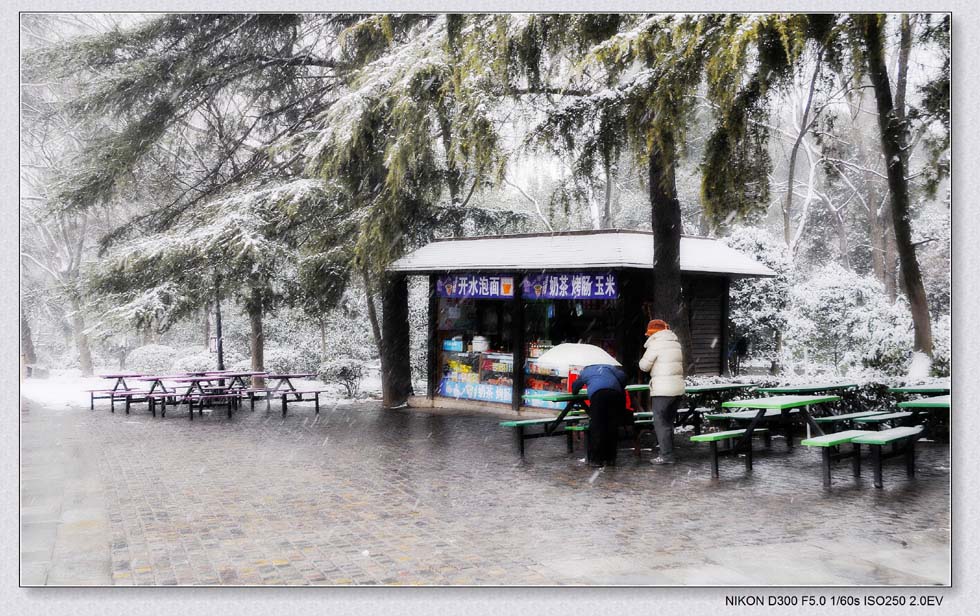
(844, 320)
(942, 346)
(194, 362)
(152, 358)
(345, 371)
(282, 360)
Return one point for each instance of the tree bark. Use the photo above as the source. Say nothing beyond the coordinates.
(372, 312)
(665, 214)
(803, 129)
(27, 341)
(396, 370)
(207, 329)
(81, 339)
(218, 333)
(893, 140)
(256, 339)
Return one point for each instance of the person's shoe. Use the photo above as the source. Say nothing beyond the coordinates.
(596, 464)
(660, 460)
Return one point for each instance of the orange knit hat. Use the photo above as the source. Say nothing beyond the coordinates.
(655, 326)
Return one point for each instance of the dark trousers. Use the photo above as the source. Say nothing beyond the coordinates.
(664, 415)
(606, 409)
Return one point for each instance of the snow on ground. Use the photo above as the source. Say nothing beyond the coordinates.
(70, 388)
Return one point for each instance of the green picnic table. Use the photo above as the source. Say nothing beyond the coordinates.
(816, 388)
(935, 402)
(926, 405)
(785, 404)
(920, 389)
(577, 400)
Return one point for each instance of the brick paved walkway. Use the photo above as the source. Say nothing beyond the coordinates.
(365, 496)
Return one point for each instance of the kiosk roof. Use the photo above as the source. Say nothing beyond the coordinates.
(612, 248)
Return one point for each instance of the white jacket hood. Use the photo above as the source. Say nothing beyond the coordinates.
(662, 335)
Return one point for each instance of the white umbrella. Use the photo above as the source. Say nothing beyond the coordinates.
(574, 354)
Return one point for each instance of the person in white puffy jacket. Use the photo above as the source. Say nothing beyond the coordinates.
(664, 360)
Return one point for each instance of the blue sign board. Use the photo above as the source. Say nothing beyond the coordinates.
(475, 391)
(571, 286)
(475, 285)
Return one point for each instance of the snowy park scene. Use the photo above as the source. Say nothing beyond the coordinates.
(485, 299)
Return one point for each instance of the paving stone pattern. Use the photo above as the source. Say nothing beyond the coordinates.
(360, 495)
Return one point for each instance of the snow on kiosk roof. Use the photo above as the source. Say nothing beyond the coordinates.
(613, 248)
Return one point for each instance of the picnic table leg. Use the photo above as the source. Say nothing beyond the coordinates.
(714, 458)
(876, 460)
(284, 398)
(748, 457)
(814, 426)
(826, 467)
(190, 406)
(112, 401)
(153, 410)
(856, 460)
(550, 428)
(568, 441)
(91, 401)
(520, 440)
(316, 398)
(746, 439)
(910, 458)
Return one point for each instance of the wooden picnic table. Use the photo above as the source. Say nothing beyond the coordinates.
(121, 378)
(816, 388)
(784, 404)
(285, 380)
(158, 381)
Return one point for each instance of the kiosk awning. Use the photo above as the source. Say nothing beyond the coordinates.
(611, 249)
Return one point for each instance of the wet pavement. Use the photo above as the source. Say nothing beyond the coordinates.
(360, 495)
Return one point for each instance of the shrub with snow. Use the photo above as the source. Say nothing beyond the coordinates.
(346, 371)
(758, 305)
(195, 362)
(843, 319)
(942, 346)
(152, 358)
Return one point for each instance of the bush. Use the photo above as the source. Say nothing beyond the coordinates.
(942, 346)
(280, 361)
(844, 320)
(196, 362)
(152, 358)
(345, 371)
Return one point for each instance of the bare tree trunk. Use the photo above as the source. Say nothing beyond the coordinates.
(207, 328)
(396, 369)
(607, 205)
(81, 339)
(665, 214)
(803, 129)
(323, 338)
(892, 144)
(218, 333)
(256, 340)
(890, 255)
(372, 311)
(27, 341)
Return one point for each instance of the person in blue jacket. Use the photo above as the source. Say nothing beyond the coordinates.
(607, 405)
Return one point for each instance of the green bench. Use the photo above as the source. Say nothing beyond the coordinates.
(522, 435)
(713, 438)
(877, 420)
(830, 445)
(905, 436)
